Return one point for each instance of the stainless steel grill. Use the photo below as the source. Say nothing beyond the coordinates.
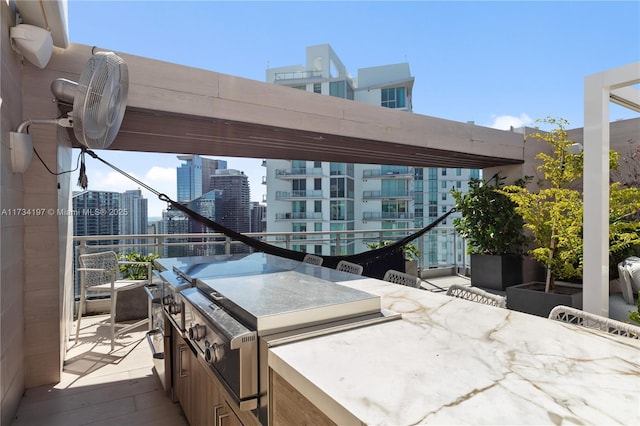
(235, 307)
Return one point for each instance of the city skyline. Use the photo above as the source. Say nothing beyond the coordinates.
(499, 64)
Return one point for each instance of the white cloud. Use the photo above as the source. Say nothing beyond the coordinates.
(163, 180)
(164, 175)
(505, 122)
(103, 179)
(117, 182)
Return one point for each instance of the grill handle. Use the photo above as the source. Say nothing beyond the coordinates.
(386, 316)
(156, 355)
(182, 372)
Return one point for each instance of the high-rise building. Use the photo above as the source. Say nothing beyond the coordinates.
(134, 218)
(209, 167)
(258, 217)
(207, 187)
(235, 202)
(94, 213)
(174, 221)
(309, 195)
(193, 176)
(206, 205)
(189, 178)
(110, 213)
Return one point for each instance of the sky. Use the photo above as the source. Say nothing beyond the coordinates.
(499, 63)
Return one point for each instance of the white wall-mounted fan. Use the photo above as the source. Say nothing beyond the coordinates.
(99, 102)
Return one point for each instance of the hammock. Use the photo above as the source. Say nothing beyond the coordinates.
(374, 262)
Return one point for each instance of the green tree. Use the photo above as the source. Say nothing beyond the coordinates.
(136, 271)
(554, 213)
(489, 222)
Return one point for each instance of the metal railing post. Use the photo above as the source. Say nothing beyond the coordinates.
(159, 246)
(455, 253)
(464, 257)
(421, 252)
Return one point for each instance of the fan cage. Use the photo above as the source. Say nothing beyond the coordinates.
(100, 101)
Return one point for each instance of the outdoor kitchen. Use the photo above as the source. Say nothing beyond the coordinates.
(260, 339)
(257, 339)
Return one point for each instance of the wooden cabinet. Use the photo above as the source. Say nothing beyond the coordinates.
(221, 408)
(224, 416)
(290, 407)
(187, 386)
(202, 398)
(179, 371)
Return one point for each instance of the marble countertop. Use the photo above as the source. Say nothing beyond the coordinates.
(458, 362)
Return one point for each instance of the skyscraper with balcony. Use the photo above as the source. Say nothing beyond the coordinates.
(93, 214)
(111, 213)
(309, 195)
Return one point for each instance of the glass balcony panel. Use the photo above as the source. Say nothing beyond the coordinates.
(297, 75)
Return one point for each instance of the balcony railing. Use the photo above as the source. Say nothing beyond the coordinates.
(370, 195)
(404, 173)
(299, 216)
(298, 172)
(440, 247)
(297, 75)
(286, 195)
(387, 216)
(442, 250)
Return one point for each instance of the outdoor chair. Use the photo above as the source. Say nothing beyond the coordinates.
(312, 259)
(478, 295)
(401, 278)
(629, 272)
(352, 268)
(576, 316)
(100, 273)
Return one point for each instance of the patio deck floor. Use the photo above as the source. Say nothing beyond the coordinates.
(99, 387)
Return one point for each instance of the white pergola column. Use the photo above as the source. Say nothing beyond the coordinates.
(599, 90)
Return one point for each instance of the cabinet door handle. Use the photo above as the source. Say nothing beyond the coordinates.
(219, 413)
(182, 371)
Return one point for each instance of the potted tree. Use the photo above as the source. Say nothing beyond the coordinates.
(554, 213)
(493, 233)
